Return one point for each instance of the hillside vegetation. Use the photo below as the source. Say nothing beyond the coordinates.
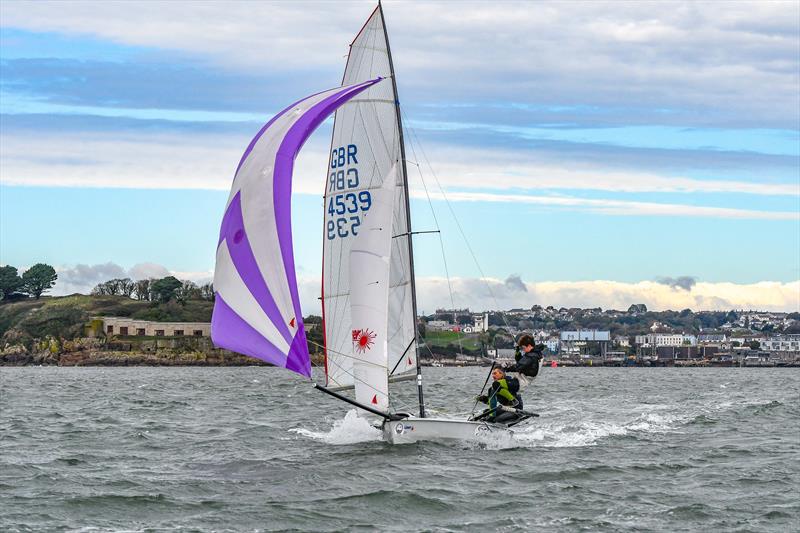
(24, 321)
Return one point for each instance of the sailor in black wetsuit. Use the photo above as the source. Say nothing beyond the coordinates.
(527, 360)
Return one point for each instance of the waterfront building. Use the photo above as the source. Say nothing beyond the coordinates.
(123, 326)
(665, 339)
(501, 355)
(781, 343)
(585, 335)
(572, 341)
(622, 341)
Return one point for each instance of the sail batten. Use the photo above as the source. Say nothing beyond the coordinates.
(257, 309)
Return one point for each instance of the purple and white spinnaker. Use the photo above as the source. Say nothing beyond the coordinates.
(257, 307)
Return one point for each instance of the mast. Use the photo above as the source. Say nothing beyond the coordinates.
(408, 214)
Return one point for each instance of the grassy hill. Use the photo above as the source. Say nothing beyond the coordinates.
(22, 322)
(441, 339)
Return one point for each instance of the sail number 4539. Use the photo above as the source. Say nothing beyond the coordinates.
(344, 210)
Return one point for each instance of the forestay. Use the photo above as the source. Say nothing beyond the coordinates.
(366, 145)
(257, 306)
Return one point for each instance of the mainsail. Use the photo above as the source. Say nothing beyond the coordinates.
(257, 306)
(366, 146)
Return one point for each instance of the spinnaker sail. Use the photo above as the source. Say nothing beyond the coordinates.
(366, 145)
(257, 305)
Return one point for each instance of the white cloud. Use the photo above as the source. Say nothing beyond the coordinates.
(148, 270)
(158, 161)
(499, 294)
(477, 294)
(169, 161)
(152, 161)
(457, 167)
(83, 278)
(726, 55)
(617, 207)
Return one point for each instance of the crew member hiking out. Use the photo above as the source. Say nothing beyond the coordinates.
(528, 360)
(503, 392)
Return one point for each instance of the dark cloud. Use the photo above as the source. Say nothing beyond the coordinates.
(514, 283)
(681, 282)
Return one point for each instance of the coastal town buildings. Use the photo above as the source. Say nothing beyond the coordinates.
(712, 338)
(781, 343)
(683, 336)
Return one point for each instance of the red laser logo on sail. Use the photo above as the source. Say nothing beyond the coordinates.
(363, 339)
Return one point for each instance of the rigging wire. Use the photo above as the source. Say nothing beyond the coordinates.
(392, 404)
(441, 242)
(344, 354)
(455, 218)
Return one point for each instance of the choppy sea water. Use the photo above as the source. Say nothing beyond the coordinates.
(256, 449)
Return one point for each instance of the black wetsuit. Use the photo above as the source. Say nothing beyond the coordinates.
(527, 363)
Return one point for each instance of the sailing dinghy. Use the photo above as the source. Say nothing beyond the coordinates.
(368, 288)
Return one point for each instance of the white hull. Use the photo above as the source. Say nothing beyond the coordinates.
(413, 429)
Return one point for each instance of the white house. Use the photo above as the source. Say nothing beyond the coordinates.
(666, 339)
(481, 322)
(781, 343)
(553, 344)
(712, 338)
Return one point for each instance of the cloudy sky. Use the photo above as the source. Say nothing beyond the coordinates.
(593, 153)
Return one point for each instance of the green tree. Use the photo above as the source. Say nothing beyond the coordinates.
(207, 292)
(142, 289)
(101, 289)
(39, 278)
(187, 291)
(10, 282)
(126, 287)
(164, 289)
